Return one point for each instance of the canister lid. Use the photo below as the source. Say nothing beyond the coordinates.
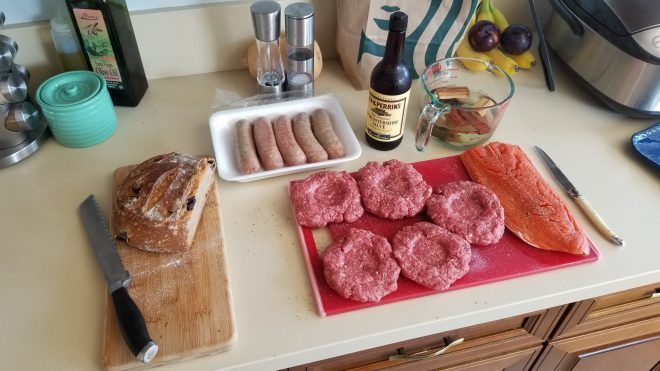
(299, 24)
(266, 20)
(70, 88)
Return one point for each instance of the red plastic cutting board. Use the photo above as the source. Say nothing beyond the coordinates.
(509, 258)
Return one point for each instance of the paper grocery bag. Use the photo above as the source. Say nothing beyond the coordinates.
(435, 27)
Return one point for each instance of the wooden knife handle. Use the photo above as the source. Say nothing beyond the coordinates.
(597, 220)
(133, 327)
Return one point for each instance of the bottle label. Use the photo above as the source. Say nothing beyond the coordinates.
(97, 45)
(386, 115)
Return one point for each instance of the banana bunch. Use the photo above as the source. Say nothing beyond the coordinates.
(508, 62)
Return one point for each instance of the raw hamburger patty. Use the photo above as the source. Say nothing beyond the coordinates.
(468, 209)
(393, 191)
(360, 266)
(430, 255)
(326, 197)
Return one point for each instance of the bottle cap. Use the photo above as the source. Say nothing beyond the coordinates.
(398, 22)
(266, 20)
(299, 24)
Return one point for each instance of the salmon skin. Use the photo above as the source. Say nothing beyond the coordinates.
(532, 210)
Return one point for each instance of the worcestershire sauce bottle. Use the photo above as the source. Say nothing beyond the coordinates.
(106, 37)
(389, 90)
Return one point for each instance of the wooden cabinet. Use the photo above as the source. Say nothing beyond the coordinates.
(511, 343)
(632, 347)
(620, 331)
(610, 311)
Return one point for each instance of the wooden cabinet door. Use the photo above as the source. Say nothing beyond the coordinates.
(512, 350)
(510, 343)
(630, 347)
(610, 311)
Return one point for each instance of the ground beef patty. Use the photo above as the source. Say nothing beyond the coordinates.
(468, 209)
(430, 255)
(360, 266)
(393, 191)
(326, 197)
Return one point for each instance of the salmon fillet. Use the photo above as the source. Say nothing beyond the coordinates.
(532, 210)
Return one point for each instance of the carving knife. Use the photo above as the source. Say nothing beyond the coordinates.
(129, 317)
(581, 201)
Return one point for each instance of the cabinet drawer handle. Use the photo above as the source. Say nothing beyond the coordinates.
(422, 355)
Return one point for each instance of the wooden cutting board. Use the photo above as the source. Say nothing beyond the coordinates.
(184, 297)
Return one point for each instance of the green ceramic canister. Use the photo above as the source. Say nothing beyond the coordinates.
(78, 108)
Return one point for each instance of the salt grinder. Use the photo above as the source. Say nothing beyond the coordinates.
(299, 26)
(266, 23)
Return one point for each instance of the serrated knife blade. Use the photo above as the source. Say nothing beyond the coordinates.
(582, 202)
(129, 317)
(104, 245)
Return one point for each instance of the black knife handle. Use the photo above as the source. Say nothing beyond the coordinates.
(133, 327)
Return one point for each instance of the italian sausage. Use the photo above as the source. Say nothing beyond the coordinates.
(323, 131)
(264, 138)
(302, 130)
(286, 142)
(246, 152)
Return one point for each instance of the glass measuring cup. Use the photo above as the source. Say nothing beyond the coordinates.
(462, 107)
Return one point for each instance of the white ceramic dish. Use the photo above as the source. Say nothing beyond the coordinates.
(223, 134)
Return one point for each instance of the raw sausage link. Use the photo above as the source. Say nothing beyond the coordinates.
(302, 130)
(266, 146)
(286, 142)
(246, 152)
(322, 127)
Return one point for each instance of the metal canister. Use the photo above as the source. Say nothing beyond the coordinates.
(8, 50)
(9, 138)
(20, 69)
(13, 87)
(22, 116)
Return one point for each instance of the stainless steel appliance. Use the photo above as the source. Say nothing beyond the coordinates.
(21, 130)
(613, 47)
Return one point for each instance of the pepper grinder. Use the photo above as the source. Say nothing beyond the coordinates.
(270, 70)
(299, 25)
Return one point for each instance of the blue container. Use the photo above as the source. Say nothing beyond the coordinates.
(78, 108)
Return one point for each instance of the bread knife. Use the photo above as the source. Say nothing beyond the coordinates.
(579, 199)
(130, 319)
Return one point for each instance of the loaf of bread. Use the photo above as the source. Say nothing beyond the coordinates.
(159, 205)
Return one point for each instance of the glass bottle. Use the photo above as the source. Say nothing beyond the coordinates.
(66, 41)
(389, 90)
(266, 23)
(106, 36)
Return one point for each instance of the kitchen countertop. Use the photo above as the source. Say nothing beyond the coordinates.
(53, 290)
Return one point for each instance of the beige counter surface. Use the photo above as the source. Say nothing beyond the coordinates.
(52, 288)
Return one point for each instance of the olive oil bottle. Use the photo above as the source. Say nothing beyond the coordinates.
(389, 90)
(106, 37)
